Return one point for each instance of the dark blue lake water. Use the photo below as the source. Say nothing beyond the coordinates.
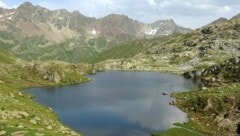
(117, 103)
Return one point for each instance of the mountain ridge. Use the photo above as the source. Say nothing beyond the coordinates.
(37, 33)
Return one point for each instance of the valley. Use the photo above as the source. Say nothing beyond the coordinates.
(48, 48)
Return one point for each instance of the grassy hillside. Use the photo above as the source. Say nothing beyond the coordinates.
(19, 114)
(6, 57)
(125, 50)
(129, 49)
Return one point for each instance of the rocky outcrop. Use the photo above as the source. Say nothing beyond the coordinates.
(58, 72)
(229, 71)
(52, 76)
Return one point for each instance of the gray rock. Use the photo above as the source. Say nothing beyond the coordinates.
(190, 43)
(56, 77)
(33, 121)
(19, 133)
(38, 134)
(187, 75)
(207, 30)
(2, 133)
(49, 127)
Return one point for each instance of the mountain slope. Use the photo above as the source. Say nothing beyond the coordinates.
(34, 32)
(204, 47)
(6, 57)
(129, 49)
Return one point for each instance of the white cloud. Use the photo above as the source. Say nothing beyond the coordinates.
(106, 2)
(2, 4)
(188, 13)
(152, 2)
(227, 8)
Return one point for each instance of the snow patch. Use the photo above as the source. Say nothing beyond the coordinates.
(11, 13)
(151, 31)
(94, 32)
(60, 18)
(168, 32)
(10, 17)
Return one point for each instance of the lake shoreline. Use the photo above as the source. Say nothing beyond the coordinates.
(21, 85)
(140, 72)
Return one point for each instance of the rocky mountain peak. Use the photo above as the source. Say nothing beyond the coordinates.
(163, 22)
(24, 12)
(26, 6)
(116, 18)
(218, 21)
(235, 17)
(35, 27)
(164, 27)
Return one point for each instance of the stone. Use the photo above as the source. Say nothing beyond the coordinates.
(171, 103)
(19, 133)
(38, 134)
(164, 94)
(12, 95)
(20, 94)
(24, 114)
(33, 121)
(37, 118)
(49, 128)
(187, 75)
(213, 79)
(73, 133)
(56, 77)
(190, 43)
(2, 133)
(20, 126)
(207, 30)
(204, 88)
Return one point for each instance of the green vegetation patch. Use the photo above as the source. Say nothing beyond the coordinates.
(208, 108)
(6, 57)
(177, 132)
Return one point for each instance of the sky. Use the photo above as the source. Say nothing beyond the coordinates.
(187, 13)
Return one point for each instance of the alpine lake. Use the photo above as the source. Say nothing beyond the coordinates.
(116, 103)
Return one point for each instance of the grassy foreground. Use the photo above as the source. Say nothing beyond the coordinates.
(215, 111)
(19, 114)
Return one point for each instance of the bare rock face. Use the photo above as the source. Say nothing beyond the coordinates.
(56, 77)
(52, 76)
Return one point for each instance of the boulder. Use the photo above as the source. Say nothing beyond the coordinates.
(56, 77)
(3, 133)
(33, 121)
(19, 133)
(187, 75)
(49, 127)
(190, 43)
(207, 30)
(164, 94)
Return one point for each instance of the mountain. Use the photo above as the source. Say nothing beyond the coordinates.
(165, 27)
(199, 49)
(34, 32)
(218, 21)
